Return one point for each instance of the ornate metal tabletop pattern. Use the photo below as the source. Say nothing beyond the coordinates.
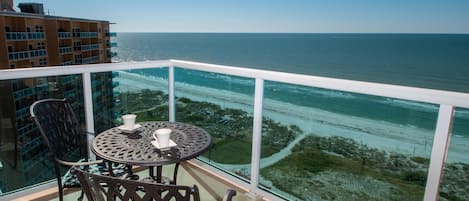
(136, 149)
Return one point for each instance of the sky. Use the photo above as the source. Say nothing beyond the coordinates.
(279, 16)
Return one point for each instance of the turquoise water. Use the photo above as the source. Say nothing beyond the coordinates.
(420, 60)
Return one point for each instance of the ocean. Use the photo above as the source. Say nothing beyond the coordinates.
(436, 61)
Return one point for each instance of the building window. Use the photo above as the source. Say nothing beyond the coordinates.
(76, 45)
(43, 61)
(41, 45)
(39, 28)
(76, 32)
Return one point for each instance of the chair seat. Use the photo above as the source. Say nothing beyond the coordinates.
(69, 180)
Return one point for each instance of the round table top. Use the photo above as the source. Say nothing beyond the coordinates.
(136, 148)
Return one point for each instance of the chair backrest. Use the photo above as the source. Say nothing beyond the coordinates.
(105, 188)
(59, 127)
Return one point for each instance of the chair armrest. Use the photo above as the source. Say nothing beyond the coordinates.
(67, 163)
(229, 195)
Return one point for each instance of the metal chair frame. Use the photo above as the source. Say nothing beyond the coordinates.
(62, 134)
(105, 188)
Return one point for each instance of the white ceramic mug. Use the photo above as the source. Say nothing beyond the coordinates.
(129, 121)
(162, 136)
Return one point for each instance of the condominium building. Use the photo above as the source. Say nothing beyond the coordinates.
(32, 39)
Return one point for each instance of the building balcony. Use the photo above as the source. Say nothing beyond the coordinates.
(25, 55)
(38, 53)
(111, 34)
(89, 47)
(64, 35)
(89, 60)
(88, 34)
(66, 63)
(65, 50)
(277, 136)
(20, 55)
(18, 36)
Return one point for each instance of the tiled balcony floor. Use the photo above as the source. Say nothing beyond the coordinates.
(211, 188)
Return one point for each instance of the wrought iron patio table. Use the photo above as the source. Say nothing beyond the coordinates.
(135, 148)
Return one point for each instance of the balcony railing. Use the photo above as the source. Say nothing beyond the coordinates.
(66, 63)
(88, 34)
(21, 55)
(65, 50)
(111, 34)
(89, 47)
(64, 35)
(445, 101)
(38, 53)
(92, 59)
(25, 35)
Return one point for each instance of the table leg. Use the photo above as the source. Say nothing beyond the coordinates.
(152, 172)
(111, 171)
(159, 170)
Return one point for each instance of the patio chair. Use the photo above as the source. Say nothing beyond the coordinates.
(126, 190)
(67, 143)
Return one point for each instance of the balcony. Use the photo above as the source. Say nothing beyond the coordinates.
(88, 34)
(20, 55)
(66, 63)
(38, 53)
(290, 136)
(89, 60)
(64, 35)
(65, 50)
(19, 36)
(111, 34)
(89, 47)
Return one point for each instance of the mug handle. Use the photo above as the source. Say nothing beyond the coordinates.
(154, 136)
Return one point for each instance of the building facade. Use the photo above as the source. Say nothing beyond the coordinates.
(32, 39)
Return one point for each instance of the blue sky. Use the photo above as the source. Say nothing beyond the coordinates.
(311, 16)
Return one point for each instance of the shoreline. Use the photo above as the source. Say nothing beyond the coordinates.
(382, 135)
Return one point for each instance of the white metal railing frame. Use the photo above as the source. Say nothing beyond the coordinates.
(447, 101)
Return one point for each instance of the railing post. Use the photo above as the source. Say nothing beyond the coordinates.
(439, 151)
(256, 135)
(172, 110)
(88, 99)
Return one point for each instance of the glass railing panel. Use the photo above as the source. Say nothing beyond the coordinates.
(23, 156)
(223, 106)
(332, 145)
(63, 34)
(455, 181)
(143, 92)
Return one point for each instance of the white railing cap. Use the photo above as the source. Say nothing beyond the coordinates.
(433, 96)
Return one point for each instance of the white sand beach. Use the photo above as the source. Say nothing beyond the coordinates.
(382, 135)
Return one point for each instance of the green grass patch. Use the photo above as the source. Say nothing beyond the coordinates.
(420, 160)
(311, 160)
(235, 151)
